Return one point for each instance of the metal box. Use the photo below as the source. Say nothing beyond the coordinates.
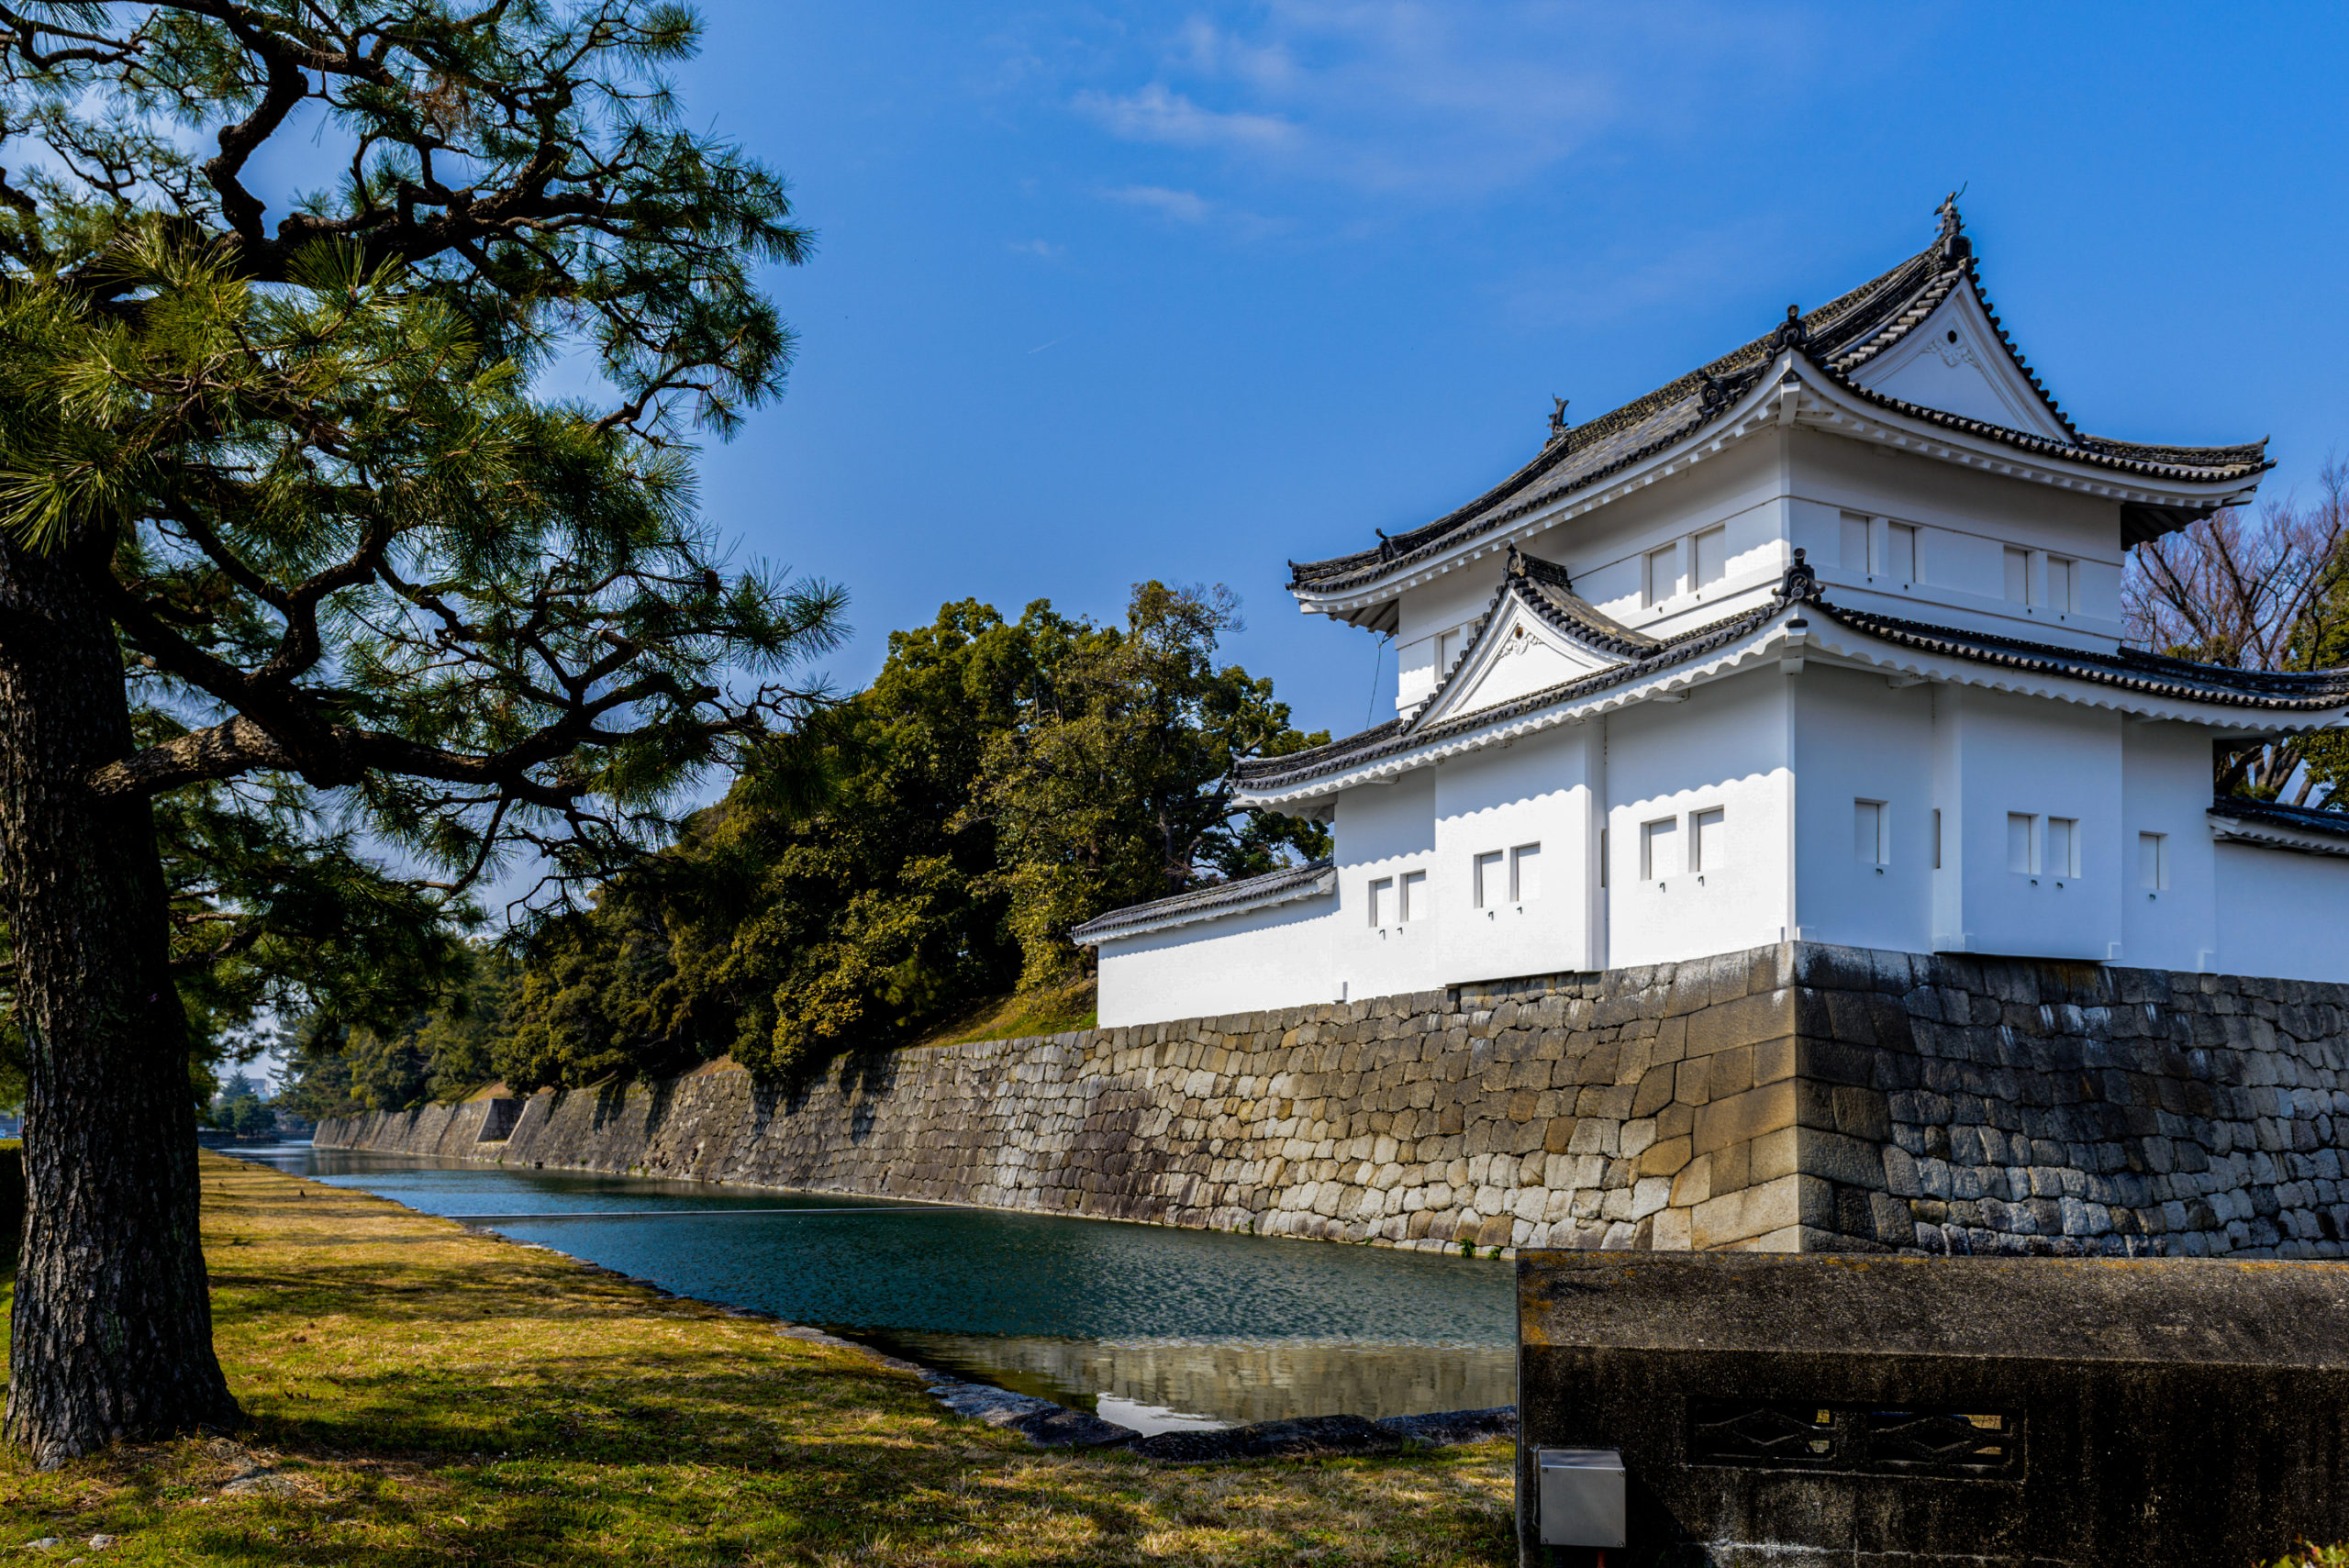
(1582, 1496)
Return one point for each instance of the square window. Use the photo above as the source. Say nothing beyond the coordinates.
(2018, 576)
(1712, 557)
(1412, 903)
(1868, 837)
(1489, 889)
(2022, 843)
(1655, 847)
(1901, 553)
(1855, 542)
(1707, 850)
(1382, 900)
(2063, 856)
(1525, 874)
(2153, 860)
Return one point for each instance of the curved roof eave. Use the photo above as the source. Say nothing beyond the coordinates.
(2144, 685)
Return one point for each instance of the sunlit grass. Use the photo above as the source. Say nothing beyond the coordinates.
(421, 1394)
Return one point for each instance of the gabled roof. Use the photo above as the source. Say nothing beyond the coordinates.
(1838, 339)
(1547, 592)
(2149, 675)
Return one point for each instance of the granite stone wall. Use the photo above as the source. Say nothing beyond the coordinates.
(1791, 1098)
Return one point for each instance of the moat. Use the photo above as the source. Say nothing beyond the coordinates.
(1152, 1327)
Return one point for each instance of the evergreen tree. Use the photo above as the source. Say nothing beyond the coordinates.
(281, 520)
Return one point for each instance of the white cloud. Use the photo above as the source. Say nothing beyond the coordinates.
(1182, 206)
(1043, 248)
(1156, 114)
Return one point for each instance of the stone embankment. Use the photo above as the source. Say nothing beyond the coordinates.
(1794, 1097)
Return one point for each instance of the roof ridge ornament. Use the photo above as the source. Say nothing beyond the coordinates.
(1558, 426)
(1800, 582)
(1954, 245)
(1791, 332)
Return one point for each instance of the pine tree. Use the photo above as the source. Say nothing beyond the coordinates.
(281, 515)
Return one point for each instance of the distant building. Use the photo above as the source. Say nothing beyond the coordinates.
(1820, 642)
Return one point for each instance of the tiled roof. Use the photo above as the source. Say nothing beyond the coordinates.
(2274, 814)
(2150, 674)
(1838, 339)
(1217, 899)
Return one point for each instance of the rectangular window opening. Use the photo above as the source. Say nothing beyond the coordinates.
(1602, 857)
(2063, 577)
(1655, 847)
(1382, 900)
(1869, 839)
(2153, 860)
(1855, 542)
(2018, 576)
(2063, 856)
(1663, 573)
(1901, 553)
(1525, 874)
(1712, 557)
(2022, 843)
(1488, 880)
(1412, 903)
(1707, 848)
(1937, 838)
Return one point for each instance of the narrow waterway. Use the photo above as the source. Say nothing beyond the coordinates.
(1152, 1327)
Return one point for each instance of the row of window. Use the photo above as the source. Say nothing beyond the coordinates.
(1661, 568)
(2037, 845)
(1882, 548)
(1496, 877)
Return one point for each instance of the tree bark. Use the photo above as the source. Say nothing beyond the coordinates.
(112, 1326)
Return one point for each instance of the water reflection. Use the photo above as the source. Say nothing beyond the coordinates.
(1190, 1325)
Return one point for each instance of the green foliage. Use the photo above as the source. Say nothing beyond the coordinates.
(391, 620)
(928, 843)
(1116, 787)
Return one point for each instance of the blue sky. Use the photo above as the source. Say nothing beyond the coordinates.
(1107, 292)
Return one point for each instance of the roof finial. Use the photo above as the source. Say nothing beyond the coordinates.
(1515, 566)
(1558, 419)
(1955, 246)
(1386, 545)
(1791, 332)
(1800, 582)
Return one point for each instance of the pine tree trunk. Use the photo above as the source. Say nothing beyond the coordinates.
(112, 1328)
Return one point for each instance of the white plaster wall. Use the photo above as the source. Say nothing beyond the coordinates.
(1726, 747)
(1387, 831)
(2166, 788)
(1996, 754)
(1538, 791)
(1965, 520)
(2281, 913)
(1268, 958)
(1856, 739)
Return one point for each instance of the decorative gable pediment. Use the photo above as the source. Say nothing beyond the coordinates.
(1953, 360)
(1537, 635)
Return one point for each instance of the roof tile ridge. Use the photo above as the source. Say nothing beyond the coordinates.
(1798, 587)
(1750, 355)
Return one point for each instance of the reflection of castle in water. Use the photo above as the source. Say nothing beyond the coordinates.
(1261, 1382)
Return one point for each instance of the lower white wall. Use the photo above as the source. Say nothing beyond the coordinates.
(1243, 963)
(2282, 913)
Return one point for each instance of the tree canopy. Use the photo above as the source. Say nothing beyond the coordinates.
(930, 843)
(298, 562)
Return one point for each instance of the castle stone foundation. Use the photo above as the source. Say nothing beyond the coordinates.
(1797, 1097)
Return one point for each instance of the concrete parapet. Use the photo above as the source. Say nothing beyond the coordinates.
(2075, 1413)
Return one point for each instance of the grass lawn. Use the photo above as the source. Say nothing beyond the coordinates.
(419, 1393)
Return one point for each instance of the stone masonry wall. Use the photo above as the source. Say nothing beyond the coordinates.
(1791, 1098)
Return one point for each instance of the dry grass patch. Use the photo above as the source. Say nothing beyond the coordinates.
(420, 1394)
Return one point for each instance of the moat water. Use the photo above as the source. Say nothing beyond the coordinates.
(1152, 1327)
